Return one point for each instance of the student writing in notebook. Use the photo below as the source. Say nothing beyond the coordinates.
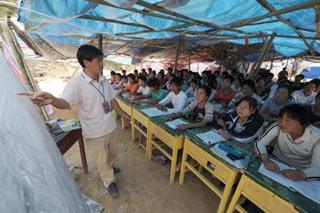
(297, 143)
(200, 110)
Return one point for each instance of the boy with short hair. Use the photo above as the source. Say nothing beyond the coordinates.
(94, 97)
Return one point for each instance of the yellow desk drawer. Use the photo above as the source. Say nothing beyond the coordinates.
(265, 199)
(166, 137)
(217, 168)
(141, 118)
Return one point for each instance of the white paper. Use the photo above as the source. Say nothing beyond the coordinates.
(210, 137)
(153, 112)
(174, 123)
(223, 154)
(310, 189)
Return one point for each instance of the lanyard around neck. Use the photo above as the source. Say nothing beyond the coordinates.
(101, 93)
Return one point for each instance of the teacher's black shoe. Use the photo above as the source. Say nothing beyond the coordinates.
(116, 170)
(113, 190)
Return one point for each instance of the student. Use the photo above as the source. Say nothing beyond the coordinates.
(91, 93)
(305, 95)
(247, 89)
(201, 110)
(122, 84)
(143, 88)
(132, 86)
(297, 144)
(272, 106)
(161, 78)
(117, 84)
(225, 95)
(156, 94)
(297, 84)
(314, 110)
(136, 73)
(236, 85)
(192, 90)
(113, 77)
(176, 97)
(244, 124)
(261, 88)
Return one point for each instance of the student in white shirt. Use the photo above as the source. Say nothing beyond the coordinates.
(306, 95)
(176, 97)
(143, 88)
(92, 94)
(297, 144)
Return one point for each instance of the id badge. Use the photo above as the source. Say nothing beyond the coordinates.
(106, 107)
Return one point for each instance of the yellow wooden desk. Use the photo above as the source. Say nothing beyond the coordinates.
(269, 195)
(139, 122)
(160, 136)
(260, 196)
(126, 107)
(224, 173)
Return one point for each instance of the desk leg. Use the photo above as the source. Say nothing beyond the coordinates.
(123, 125)
(226, 193)
(236, 196)
(83, 156)
(183, 167)
(149, 147)
(133, 135)
(173, 165)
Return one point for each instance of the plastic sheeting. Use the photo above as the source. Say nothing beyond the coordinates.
(58, 23)
(33, 173)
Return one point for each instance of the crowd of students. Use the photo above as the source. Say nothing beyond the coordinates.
(282, 118)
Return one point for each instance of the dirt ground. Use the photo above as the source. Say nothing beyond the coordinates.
(143, 185)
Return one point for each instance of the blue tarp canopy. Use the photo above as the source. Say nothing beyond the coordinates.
(153, 28)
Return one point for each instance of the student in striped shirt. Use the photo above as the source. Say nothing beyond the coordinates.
(201, 110)
(297, 144)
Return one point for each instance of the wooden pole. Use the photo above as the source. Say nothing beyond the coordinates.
(177, 55)
(270, 7)
(306, 5)
(266, 48)
(189, 61)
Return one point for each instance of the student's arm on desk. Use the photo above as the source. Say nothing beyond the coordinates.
(45, 98)
(261, 146)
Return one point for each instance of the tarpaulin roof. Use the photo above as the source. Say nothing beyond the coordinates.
(153, 28)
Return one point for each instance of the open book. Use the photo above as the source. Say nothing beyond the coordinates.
(310, 189)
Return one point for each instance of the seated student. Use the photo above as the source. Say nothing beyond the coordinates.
(305, 95)
(244, 124)
(192, 90)
(117, 80)
(247, 89)
(112, 79)
(225, 95)
(176, 97)
(280, 82)
(143, 88)
(297, 144)
(297, 84)
(314, 110)
(161, 78)
(261, 88)
(272, 106)
(123, 82)
(201, 110)
(132, 86)
(156, 94)
(236, 85)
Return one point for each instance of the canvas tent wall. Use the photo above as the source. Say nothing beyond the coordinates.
(34, 175)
